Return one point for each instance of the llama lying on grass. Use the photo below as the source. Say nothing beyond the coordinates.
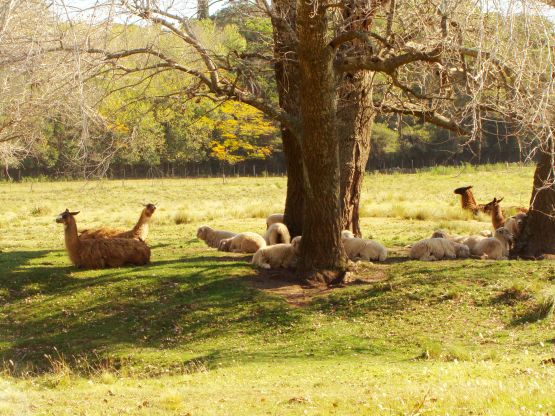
(360, 249)
(468, 202)
(213, 237)
(274, 218)
(102, 252)
(138, 232)
(494, 248)
(438, 249)
(243, 243)
(278, 255)
(277, 233)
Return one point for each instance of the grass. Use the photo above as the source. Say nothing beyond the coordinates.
(189, 334)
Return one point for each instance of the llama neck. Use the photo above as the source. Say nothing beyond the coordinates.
(468, 201)
(497, 219)
(141, 228)
(72, 240)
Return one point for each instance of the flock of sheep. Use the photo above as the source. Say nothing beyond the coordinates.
(109, 247)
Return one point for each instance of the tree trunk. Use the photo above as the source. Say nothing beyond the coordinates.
(322, 254)
(538, 234)
(202, 9)
(356, 117)
(287, 75)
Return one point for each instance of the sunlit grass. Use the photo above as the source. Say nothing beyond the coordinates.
(189, 335)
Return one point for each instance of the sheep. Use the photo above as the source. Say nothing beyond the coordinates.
(213, 237)
(243, 243)
(514, 224)
(272, 219)
(277, 255)
(494, 248)
(277, 233)
(467, 200)
(138, 232)
(347, 234)
(432, 249)
(359, 249)
(469, 241)
(102, 252)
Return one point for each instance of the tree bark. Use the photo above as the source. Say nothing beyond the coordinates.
(287, 75)
(355, 119)
(537, 237)
(322, 255)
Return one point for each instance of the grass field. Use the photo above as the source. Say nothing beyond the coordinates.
(191, 335)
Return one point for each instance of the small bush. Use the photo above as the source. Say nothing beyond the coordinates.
(39, 211)
(183, 217)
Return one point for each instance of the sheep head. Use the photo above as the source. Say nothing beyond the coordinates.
(462, 251)
(202, 232)
(225, 244)
(504, 235)
(440, 234)
(296, 244)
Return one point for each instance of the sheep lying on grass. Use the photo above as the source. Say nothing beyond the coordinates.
(243, 243)
(102, 252)
(277, 233)
(437, 249)
(360, 249)
(274, 218)
(494, 248)
(470, 240)
(278, 255)
(213, 237)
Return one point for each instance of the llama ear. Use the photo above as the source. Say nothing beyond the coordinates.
(75, 212)
(500, 199)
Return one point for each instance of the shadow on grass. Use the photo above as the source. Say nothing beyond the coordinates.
(89, 315)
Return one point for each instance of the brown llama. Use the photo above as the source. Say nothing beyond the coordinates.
(513, 224)
(468, 202)
(102, 252)
(138, 232)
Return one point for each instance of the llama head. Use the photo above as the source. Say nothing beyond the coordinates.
(462, 190)
(490, 206)
(149, 209)
(66, 217)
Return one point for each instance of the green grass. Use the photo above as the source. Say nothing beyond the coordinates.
(190, 335)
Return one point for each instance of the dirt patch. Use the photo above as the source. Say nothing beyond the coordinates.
(285, 283)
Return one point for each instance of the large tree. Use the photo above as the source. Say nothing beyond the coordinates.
(337, 65)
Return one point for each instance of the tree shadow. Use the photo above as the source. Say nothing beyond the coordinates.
(161, 306)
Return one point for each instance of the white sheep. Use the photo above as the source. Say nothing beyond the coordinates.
(432, 249)
(514, 224)
(277, 233)
(272, 219)
(277, 255)
(243, 243)
(359, 249)
(469, 241)
(347, 234)
(494, 248)
(213, 237)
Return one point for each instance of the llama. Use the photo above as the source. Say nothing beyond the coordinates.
(101, 252)
(138, 232)
(468, 202)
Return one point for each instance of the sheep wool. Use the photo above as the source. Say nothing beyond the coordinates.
(494, 248)
(243, 243)
(277, 233)
(213, 237)
(274, 218)
(437, 249)
(359, 249)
